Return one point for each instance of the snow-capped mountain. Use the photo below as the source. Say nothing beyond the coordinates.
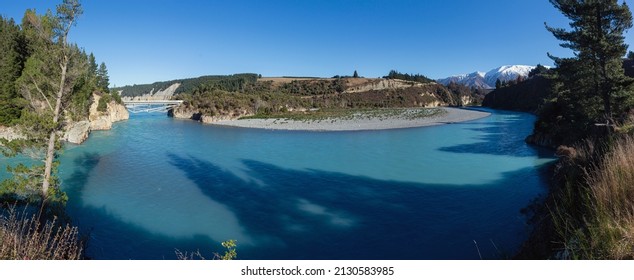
(475, 79)
(507, 73)
(487, 80)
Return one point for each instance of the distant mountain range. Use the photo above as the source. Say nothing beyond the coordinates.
(487, 80)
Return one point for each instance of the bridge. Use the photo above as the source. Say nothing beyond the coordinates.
(149, 106)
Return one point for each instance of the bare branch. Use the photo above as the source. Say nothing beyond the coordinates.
(41, 92)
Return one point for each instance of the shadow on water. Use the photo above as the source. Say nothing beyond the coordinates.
(312, 214)
(503, 137)
(111, 238)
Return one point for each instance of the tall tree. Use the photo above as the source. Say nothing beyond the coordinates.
(50, 72)
(596, 37)
(103, 81)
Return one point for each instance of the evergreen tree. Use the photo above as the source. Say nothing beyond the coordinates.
(355, 74)
(595, 74)
(13, 53)
(630, 55)
(539, 69)
(103, 81)
(498, 84)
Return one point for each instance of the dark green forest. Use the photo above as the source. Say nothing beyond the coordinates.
(233, 83)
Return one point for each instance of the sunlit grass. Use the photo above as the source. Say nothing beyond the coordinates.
(595, 216)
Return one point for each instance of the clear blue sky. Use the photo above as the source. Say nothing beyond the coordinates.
(145, 41)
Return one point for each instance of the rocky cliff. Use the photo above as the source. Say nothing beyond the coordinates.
(10, 134)
(182, 112)
(164, 94)
(363, 84)
(103, 120)
(77, 132)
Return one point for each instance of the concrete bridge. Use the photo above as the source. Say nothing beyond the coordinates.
(149, 106)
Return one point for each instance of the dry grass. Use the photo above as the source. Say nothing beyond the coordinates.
(595, 216)
(24, 238)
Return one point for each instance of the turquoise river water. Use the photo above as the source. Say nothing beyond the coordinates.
(154, 184)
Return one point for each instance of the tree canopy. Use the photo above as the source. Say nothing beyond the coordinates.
(591, 87)
(596, 37)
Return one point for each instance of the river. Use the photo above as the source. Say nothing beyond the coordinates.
(153, 185)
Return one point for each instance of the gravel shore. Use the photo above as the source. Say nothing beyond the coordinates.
(451, 115)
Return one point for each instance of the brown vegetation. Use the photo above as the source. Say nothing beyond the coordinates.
(24, 238)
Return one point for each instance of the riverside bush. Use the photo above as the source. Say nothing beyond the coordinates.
(24, 238)
(594, 215)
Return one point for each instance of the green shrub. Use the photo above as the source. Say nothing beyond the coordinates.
(102, 106)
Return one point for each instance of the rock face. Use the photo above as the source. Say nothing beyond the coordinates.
(103, 120)
(363, 85)
(183, 113)
(10, 134)
(78, 132)
(161, 94)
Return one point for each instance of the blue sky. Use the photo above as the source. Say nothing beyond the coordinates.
(145, 41)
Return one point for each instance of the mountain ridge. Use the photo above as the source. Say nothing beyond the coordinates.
(487, 80)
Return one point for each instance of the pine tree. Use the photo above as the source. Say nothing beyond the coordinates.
(595, 74)
(355, 75)
(103, 81)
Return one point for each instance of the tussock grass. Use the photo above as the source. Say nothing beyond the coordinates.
(594, 214)
(25, 238)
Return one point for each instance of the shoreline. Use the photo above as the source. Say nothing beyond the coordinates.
(451, 115)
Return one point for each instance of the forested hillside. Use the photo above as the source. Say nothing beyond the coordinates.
(221, 82)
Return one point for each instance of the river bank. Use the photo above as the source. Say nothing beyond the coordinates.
(404, 118)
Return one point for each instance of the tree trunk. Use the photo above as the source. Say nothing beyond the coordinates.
(50, 151)
(601, 56)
